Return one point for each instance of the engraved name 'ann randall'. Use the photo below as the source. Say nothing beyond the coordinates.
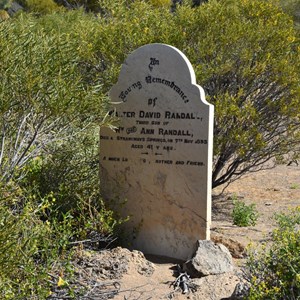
(162, 131)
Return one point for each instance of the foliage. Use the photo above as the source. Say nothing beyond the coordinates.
(36, 239)
(40, 224)
(3, 15)
(70, 174)
(4, 4)
(51, 103)
(90, 6)
(248, 63)
(41, 6)
(44, 94)
(160, 3)
(29, 247)
(274, 272)
(56, 70)
(244, 215)
(246, 56)
(292, 7)
(294, 186)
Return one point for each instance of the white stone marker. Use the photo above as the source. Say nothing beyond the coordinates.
(160, 158)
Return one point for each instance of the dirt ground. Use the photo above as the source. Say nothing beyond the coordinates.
(120, 274)
(273, 191)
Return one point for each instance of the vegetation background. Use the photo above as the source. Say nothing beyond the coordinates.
(58, 59)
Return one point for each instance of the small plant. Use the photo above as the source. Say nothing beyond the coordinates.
(244, 215)
(274, 271)
(295, 186)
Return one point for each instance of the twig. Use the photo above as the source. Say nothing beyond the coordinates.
(183, 282)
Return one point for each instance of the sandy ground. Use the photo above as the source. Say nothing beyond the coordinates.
(273, 191)
(123, 275)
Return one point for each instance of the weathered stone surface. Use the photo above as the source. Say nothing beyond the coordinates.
(159, 159)
(209, 259)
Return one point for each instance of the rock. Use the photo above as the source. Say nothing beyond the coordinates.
(209, 259)
(215, 287)
(241, 291)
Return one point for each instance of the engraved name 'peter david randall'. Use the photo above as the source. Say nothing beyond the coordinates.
(156, 115)
(162, 131)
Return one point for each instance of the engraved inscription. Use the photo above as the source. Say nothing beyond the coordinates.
(153, 62)
(159, 132)
(125, 93)
(171, 84)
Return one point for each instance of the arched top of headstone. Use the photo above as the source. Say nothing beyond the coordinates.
(158, 61)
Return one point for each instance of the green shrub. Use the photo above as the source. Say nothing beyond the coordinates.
(29, 247)
(89, 6)
(37, 235)
(52, 105)
(3, 15)
(55, 72)
(4, 4)
(47, 95)
(274, 271)
(293, 8)
(41, 7)
(244, 215)
(160, 3)
(246, 57)
(294, 186)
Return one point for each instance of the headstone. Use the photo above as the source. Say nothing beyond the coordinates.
(159, 159)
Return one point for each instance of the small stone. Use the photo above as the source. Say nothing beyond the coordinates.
(241, 291)
(209, 259)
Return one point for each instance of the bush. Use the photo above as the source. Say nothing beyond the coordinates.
(246, 57)
(37, 237)
(161, 3)
(29, 247)
(47, 95)
(70, 174)
(89, 6)
(274, 272)
(293, 8)
(3, 15)
(55, 72)
(244, 215)
(4, 4)
(41, 6)
(51, 105)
